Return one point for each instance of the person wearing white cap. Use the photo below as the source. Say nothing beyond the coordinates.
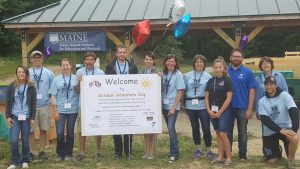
(43, 78)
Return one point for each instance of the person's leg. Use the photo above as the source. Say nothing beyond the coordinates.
(233, 112)
(292, 147)
(60, 129)
(174, 149)
(118, 145)
(205, 125)
(44, 125)
(194, 119)
(220, 147)
(25, 129)
(14, 138)
(31, 135)
(71, 119)
(128, 144)
(226, 145)
(242, 124)
(98, 144)
(147, 145)
(152, 145)
(271, 148)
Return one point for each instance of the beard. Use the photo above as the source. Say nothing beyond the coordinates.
(236, 62)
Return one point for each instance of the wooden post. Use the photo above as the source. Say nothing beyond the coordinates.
(24, 35)
(127, 42)
(113, 38)
(255, 32)
(237, 35)
(224, 36)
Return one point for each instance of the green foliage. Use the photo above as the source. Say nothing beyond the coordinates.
(169, 46)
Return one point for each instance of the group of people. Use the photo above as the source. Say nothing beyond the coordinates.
(231, 93)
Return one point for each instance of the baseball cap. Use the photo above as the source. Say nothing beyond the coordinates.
(271, 79)
(33, 53)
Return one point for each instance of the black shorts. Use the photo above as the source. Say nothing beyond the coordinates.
(272, 149)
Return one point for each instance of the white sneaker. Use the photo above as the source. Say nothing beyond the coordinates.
(12, 167)
(25, 165)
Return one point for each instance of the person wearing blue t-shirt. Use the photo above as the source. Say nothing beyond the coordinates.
(65, 99)
(121, 66)
(20, 115)
(242, 100)
(280, 119)
(172, 90)
(194, 99)
(266, 65)
(43, 78)
(89, 69)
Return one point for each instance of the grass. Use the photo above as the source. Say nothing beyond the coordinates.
(8, 66)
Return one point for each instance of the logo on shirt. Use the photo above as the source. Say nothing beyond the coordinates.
(241, 76)
(275, 113)
(95, 83)
(221, 83)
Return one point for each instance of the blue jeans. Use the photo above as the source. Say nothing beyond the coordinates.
(174, 149)
(242, 122)
(24, 128)
(65, 147)
(194, 116)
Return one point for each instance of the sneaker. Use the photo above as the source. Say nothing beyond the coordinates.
(243, 158)
(12, 167)
(68, 158)
(150, 157)
(217, 161)
(129, 157)
(80, 157)
(198, 154)
(145, 156)
(98, 157)
(42, 156)
(59, 158)
(25, 165)
(31, 157)
(227, 163)
(117, 157)
(291, 164)
(210, 155)
(172, 159)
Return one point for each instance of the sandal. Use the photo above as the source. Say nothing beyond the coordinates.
(227, 163)
(217, 161)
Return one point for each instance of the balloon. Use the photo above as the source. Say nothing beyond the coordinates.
(47, 52)
(177, 10)
(141, 32)
(182, 26)
(243, 42)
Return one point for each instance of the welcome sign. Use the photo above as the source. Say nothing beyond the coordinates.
(120, 104)
(75, 41)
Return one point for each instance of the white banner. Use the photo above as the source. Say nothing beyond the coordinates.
(120, 104)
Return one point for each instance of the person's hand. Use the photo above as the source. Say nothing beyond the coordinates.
(183, 109)
(56, 116)
(79, 78)
(160, 74)
(288, 133)
(171, 113)
(31, 122)
(217, 115)
(258, 117)
(9, 122)
(249, 114)
(211, 113)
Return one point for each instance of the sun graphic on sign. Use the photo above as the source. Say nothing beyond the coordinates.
(146, 83)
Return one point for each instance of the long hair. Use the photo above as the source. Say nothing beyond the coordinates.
(170, 56)
(150, 54)
(221, 60)
(28, 80)
(265, 59)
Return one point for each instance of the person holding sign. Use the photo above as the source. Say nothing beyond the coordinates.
(43, 78)
(218, 94)
(150, 139)
(195, 82)
(172, 91)
(65, 100)
(20, 115)
(121, 66)
(89, 60)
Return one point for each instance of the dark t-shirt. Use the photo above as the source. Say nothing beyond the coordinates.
(218, 88)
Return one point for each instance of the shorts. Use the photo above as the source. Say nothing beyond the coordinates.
(42, 118)
(222, 124)
(271, 148)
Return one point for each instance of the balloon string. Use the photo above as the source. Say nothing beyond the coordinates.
(158, 42)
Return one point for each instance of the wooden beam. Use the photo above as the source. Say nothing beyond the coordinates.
(127, 38)
(255, 31)
(35, 41)
(133, 46)
(237, 36)
(113, 38)
(224, 36)
(24, 47)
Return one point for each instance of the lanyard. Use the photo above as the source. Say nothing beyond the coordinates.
(196, 82)
(37, 78)
(215, 90)
(86, 71)
(146, 71)
(67, 86)
(21, 95)
(168, 82)
(121, 72)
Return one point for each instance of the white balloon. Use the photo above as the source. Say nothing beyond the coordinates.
(178, 10)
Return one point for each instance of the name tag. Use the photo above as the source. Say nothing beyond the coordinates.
(214, 108)
(67, 105)
(39, 96)
(195, 101)
(166, 101)
(22, 117)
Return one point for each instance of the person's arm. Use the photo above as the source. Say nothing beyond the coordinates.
(266, 120)
(294, 115)
(176, 102)
(225, 104)
(211, 114)
(249, 111)
(77, 87)
(33, 105)
(53, 103)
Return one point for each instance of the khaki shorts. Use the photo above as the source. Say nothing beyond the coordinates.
(42, 118)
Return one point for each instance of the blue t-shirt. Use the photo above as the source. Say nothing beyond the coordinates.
(59, 89)
(195, 83)
(277, 109)
(122, 68)
(84, 71)
(43, 79)
(242, 81)
(20, 106)
(260, 87)
(171, 82)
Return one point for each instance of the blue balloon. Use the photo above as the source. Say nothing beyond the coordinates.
(182, 26)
